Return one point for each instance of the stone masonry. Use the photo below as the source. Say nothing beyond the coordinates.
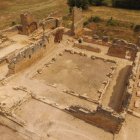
(77, 20)
(28, 24)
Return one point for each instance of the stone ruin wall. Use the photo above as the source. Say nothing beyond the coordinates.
(25, 57)
(28, 24)
(103, 117)
(50, 23)
(129, 91)
(117, 47)
(77, 20)
(120, 48)
(87, 46)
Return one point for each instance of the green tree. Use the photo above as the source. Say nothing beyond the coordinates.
(84, 4)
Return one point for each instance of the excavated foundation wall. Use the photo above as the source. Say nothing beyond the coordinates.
(28, 56)
(103, 117)
(131, 82)
(87, 46)
(25, 57)
(123, 49)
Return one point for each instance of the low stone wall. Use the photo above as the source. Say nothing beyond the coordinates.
(87, 46)
(95, 39)
(103, 117)
(28, 24)
(118, 47)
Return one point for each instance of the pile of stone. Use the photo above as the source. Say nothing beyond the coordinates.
(3, 38)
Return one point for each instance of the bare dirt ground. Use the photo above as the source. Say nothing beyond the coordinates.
(54, 124)
(19, 41)
(8, 134)
(130, 130)
(80, 74)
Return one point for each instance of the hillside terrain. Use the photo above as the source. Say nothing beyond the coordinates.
(10, 10)
(68, 75)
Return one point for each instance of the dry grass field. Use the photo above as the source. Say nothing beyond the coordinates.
(131, 16)
(126, 20)
(11, 9)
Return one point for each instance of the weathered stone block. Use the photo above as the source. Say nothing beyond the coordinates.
(77, 20)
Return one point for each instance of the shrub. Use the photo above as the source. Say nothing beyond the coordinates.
(13, 23)
(112, 22)
(137, 28)
(96, 19)
(86, 23)
(130, 4)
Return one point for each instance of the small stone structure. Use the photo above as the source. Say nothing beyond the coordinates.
(26, 57)
(103, 117)
(77, 20)
(59, 35)
(123, 49)
(130, 88)
(133, 94)
(28, 24)
(51, 23)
